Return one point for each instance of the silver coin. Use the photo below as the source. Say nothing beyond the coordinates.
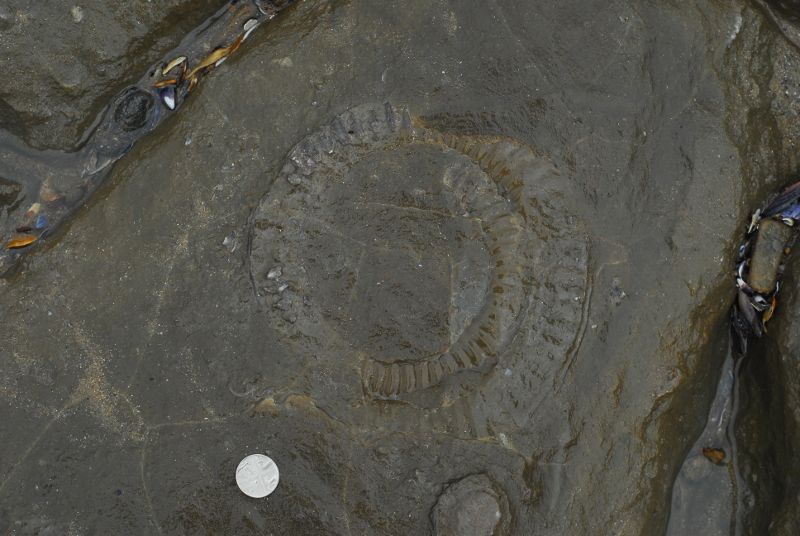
(257, 476)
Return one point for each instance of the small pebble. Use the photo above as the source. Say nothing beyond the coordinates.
(231, 241)
(617, 292)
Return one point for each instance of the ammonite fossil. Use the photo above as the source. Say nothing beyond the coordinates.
(409, 256)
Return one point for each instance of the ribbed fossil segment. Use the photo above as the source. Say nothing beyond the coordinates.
(405, 251)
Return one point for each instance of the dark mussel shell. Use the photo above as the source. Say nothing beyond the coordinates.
(747, 316)
(167, 95)
(789, 196)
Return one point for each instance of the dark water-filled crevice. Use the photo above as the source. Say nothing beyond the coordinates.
(705, 491)
(768, 428)
(764, 436)
(682, 415)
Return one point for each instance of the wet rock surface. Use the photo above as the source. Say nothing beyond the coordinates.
(138, 365)
(63, 61)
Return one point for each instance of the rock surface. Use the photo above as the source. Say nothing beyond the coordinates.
(137, 367)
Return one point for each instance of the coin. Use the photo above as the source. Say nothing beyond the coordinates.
(257, 476)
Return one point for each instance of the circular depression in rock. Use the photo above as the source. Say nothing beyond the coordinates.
(468, 507)
(406, 255)
(134, 110)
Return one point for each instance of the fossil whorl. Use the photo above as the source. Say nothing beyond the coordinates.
(376, 195)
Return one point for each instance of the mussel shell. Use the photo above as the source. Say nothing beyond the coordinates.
(789, 196)
(133, 111)
(749, 315)
(167, 95)
(792, 211)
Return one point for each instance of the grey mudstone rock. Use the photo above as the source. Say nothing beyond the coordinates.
(159, 369)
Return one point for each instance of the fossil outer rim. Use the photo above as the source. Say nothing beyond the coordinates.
(328, 152)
